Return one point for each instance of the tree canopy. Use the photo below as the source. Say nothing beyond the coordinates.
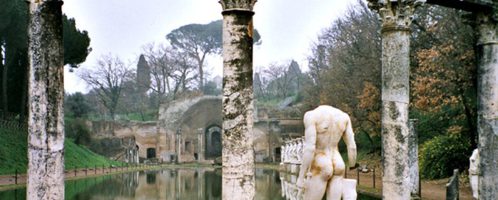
(345, 67)
(200, 40)
(108, 79)
(76, 43)
(14, 60)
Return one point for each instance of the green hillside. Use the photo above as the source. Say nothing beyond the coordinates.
(13, 154)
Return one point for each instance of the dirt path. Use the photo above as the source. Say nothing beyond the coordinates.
(431, 190)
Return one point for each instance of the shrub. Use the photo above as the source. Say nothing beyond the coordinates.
(440, 155)
(78, 131)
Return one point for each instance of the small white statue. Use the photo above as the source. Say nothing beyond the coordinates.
(300, 150)
(322, 170)
(286, 153)
(294, 152)
(282, 153)
(474, 173)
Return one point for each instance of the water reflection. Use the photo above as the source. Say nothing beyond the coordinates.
(165, 184)
(170, 184)
(290, 191)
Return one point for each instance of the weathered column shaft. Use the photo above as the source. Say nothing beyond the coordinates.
(179, 144)
(413, 159)
(46, 97)
(396, 19)
(395, 99)
(487, 129)
(200, 141)
(238, 154)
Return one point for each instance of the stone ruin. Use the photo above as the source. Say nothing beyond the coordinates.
(191, 127)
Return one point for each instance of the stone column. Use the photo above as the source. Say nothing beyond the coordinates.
(46, 97)
(178, 145)
(396, 18)
(238, 155)
(200, 149)
(487, 119)
(270, 146)
(413, 159)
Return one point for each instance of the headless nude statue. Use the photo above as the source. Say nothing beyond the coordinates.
(322, 169)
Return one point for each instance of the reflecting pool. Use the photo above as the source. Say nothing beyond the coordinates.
(168, 184)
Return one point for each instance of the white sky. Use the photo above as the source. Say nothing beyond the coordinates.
(122, 27)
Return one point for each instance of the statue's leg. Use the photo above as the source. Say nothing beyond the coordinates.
(321, 172)
(335, 185)
(315, 188)
(349, 189)
(334, 189)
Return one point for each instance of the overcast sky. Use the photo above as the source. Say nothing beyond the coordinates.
(123, 27)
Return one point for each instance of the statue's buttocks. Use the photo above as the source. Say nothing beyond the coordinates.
(322, 169)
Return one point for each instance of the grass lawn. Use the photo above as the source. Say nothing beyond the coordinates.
(14, 154)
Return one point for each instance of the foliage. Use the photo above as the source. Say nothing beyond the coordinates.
(172, 72)
(199, 40)
(147, 115)
(440, 155)
(78, 131)
(14, 56)
(369, 103)
(443, 92)
(143, 76)
(14, 61)
(76, 43)
(279, 82)
(75, 105)
(282, 80)
(345, 70)
(211, 88)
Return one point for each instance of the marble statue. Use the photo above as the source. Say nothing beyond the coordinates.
(286, 153)
(282, 154)
(349, 189)
(322, 169)
(300, 150)
(474, 172)
(293, 152)
(296, 152)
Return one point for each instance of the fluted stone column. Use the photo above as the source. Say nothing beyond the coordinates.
(396, 18)
(238, 155)
(46, 97)
(487, 118)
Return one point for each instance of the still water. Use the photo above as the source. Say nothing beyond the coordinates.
(168, 184)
